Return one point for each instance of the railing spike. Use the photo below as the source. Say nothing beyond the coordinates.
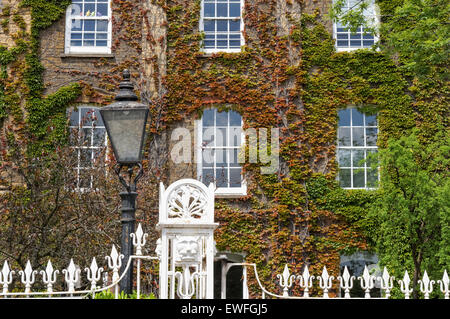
(325, 282)
(404, 285)
(93, 273)
(71, 275)
(386, 283)
(426, 285)
(28, 277)
(6, 276)
(367, 281)
(444, 285)
(346, 282)
(49, 276)
(286, 280)
(305, 281)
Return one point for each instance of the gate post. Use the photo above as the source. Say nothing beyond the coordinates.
(186, 247)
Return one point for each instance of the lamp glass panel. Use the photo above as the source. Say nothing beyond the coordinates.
(126, 130)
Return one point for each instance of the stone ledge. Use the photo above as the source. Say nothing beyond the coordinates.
(86, 55)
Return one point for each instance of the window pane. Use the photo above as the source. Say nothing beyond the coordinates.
(371, 157)
(102, 36)
(73, 136)
(358, 158)
(344, 158)
(235, 25)
(102, 9)
(344, 136)
(97, 118)
(209, 44)
(222, 10)
(357, 118)
(221, 137)
(358, 136)
(89, 36)
(85, 157)
(76, 25)
(221, 158)
(344, 178)
(84, 180)
(344, 117)
(371, 136)
(99, 137)
(222, 118)
(235, 9)
(89, 43)
(372, 177)
(207, 176)
(235, 44)
(235, 136)
(76, 9)
(102, 25)
(358, 178)
(208, 117)
(233, 158)
(235, 177)
(221, 177)
(74, 120)
(89, 9)
(222, 25)
(371, 120)
(86, 134)
(208, 158)
(208, 137)
(209, 10)
(209, 25)
(89, 25)
(235, 119)
(76, 36)
(222, 44)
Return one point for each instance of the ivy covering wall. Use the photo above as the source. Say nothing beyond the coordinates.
(288, 75)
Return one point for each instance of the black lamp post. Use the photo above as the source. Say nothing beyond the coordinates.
(125, 122)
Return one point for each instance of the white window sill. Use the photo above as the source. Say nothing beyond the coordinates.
(87, 55)
(350, 49)
(212, 51)
(230, 192)
(87, 50)
(360, 188)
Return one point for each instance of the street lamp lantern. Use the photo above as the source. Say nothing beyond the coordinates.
(125, 122)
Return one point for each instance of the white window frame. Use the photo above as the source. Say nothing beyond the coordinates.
(351, 148)
(202, 29)
(91, 147)
(69, 49)
(372, 8)
(221, 192)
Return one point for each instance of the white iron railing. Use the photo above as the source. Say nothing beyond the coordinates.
(346, 283)
(188, 283)
(72, 275)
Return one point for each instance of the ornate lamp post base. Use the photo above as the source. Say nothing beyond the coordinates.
(128, 219)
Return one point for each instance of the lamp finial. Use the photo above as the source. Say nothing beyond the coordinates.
(126, 92)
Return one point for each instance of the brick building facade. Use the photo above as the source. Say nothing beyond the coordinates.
(230, 64)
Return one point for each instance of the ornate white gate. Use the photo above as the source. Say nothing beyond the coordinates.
(186, 248)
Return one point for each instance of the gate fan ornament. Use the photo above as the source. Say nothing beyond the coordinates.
(186, 202)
